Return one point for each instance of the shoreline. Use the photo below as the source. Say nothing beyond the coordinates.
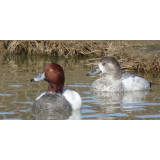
(133, 55)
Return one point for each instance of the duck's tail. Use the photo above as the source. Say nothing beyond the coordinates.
(151, 83)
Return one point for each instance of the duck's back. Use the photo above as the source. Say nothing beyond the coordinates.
(52, 101)
(132, 82)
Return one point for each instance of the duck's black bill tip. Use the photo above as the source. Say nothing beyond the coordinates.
(32, 80)
(88, 74)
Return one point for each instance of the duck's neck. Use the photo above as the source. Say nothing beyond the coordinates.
(117, 76)
(114, 76)
(55, 88)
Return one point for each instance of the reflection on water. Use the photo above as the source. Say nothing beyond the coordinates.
(17, 94)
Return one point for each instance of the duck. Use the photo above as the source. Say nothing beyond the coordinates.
(56, 98)
(113, 80)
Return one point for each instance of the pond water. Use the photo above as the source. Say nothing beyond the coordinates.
(17, 93)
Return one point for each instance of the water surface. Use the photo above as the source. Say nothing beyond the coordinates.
(17, 93)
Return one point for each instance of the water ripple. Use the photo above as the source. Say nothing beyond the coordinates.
(3, 94)
(140, 104)
(149, 116)
(107, 115)
(31, 103)
(77, 85)
(2, 113)
(16, 85)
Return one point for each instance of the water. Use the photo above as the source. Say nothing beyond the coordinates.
(17, 93)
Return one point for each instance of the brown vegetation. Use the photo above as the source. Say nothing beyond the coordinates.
(131, 54)
(65, 48)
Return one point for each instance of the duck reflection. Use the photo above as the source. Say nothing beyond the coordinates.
(56, 115)
(115, 102)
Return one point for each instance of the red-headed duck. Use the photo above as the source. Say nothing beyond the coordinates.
(56, 98)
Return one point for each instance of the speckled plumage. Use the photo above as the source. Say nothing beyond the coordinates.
(52, 101)
(114, 80)
(107, 85)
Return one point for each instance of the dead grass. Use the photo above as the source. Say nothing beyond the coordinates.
(92, 51)
(139, 64)
(65, 48)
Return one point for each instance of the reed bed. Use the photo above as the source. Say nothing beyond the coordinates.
(64, 48)
(87, 53)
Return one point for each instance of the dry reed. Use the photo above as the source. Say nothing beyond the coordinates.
(91, 49)
(65, 48)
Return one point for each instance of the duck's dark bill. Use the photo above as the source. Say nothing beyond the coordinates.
(32, 80)
(94, 72)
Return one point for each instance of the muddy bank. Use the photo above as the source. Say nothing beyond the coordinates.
(133, 55)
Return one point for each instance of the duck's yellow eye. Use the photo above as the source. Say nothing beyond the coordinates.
(51, 70)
